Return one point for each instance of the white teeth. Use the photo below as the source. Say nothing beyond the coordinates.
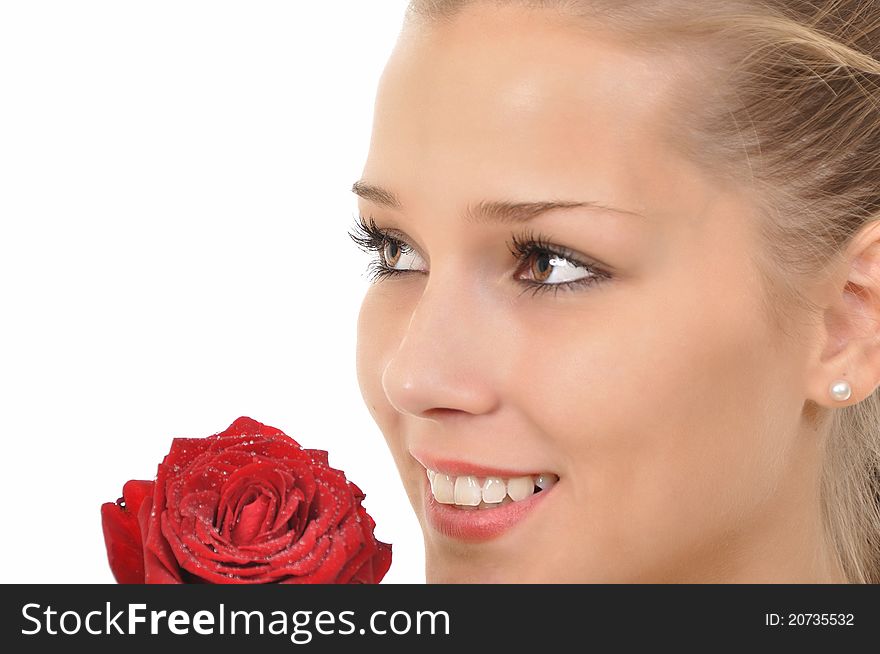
(467, 491)
(443, 488)
(519, 488)
(494, 490)
(472, 492)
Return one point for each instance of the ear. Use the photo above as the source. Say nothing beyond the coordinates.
(851, 324)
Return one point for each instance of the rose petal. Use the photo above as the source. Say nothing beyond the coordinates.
(125, 553)
(160, 566)
(326, 573)
(251, 520)
(319, 457)
(122, 534)
(370, 564)
(374, 568)
(245, 426)
(310, 562)
(183, 452)
(135, 492)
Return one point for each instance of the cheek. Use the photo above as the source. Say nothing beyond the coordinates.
(367, 352)
(656, 408)
(377, 341)
(374, 343)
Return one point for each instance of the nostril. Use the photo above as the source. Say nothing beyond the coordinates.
(441, 414)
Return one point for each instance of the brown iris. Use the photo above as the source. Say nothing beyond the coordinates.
(394, 247)
(540, 266)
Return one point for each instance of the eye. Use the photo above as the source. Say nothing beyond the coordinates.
(547, 267)
(552, 268)
(389, 251)
(394, 253)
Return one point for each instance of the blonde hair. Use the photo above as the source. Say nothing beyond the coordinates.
(785, 100)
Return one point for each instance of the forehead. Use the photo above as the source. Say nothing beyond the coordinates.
(520, 102)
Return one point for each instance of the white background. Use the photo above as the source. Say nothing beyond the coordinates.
(174, 206)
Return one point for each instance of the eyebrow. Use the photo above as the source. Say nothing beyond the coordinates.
(487, 211)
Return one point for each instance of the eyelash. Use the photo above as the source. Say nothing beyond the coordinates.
(372, 239)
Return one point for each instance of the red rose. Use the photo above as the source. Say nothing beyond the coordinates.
(247, 505)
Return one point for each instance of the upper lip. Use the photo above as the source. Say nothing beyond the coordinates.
(456, 468)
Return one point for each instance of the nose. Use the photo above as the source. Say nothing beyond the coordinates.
(445, 363)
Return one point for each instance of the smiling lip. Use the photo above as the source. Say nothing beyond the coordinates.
(474, 525)
(477, 524)
(459, 468)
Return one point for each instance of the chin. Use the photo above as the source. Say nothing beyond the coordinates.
(455, 563)
(445, 571)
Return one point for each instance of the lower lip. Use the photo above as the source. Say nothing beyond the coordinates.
(477, 524)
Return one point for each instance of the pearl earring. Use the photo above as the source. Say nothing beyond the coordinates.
(840, 390)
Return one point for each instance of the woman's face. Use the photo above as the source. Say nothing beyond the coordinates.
(633, 362)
